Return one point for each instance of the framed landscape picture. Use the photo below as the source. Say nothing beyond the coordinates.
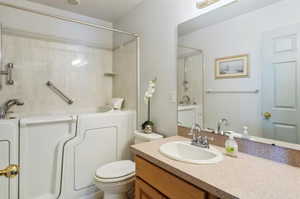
(232, 67)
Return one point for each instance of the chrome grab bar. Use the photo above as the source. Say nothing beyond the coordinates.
(59, 93)
(8, 73)
(210, 91)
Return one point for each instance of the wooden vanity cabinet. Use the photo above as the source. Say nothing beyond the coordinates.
(153, 182)
(145, 191)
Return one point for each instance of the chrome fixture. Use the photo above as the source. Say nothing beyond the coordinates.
(220, 124)
(59, 93)
(195, 130)
(4, 110)
(210, 91)
(186, 100)
(202, 141)
(198, 140)
(8, 73)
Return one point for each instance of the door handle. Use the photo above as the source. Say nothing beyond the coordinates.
(267, 115)
(10, 171)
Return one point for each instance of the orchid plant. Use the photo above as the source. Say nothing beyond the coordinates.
(150, 91)
(147, 98)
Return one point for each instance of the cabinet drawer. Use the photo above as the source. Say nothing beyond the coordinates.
(168, 184)
(145, 191)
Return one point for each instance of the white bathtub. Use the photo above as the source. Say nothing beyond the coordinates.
(59, 154)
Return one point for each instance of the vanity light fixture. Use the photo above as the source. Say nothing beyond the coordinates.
(74, 2)
(205, 3)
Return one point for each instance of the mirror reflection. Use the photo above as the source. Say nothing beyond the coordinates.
(241, 74)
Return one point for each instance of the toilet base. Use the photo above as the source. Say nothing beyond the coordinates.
(116, 190)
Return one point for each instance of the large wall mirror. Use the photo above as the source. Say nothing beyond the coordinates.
(238, 66)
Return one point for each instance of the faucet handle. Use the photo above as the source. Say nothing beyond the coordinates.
(194, 132)
(206, 139)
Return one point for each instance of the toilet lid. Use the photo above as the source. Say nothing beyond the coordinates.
(116, 169)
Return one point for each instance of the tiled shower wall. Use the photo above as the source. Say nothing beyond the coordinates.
(77, 70)
(124, 83)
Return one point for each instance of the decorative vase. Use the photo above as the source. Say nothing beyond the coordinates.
(148, 127)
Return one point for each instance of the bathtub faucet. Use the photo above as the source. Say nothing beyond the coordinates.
(7, 106)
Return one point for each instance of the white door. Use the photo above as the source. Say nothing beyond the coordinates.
(42, 143)
(280, 98)
(8, 157)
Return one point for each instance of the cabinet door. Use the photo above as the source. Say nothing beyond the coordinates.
(145, 191)
(8, 157)
(212, 197)
(160, 179)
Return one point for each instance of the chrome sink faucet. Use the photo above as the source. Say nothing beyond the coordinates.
(198, 140)
(8, 105)
(220, 124)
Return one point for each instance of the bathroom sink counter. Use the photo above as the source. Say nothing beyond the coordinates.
(245, 177)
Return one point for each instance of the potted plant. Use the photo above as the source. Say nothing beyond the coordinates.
(148, 125)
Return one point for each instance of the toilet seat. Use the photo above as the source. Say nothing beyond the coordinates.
(114, 180)
(115, 171)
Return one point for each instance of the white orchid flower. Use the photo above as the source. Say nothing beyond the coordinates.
(150, 91)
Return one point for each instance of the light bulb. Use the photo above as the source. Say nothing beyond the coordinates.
(74, 2)
(205, 3)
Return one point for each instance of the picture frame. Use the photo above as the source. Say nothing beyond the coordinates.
(232, 67)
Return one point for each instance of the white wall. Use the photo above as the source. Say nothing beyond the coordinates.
(241, 35)
(38, 61)
(124, 66)
(156, 22)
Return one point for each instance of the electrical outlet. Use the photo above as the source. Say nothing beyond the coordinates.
(172, 97)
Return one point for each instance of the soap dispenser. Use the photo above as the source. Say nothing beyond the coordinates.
(231, 146)
(246, 133)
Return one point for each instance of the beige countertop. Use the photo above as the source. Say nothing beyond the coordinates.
(245, 177)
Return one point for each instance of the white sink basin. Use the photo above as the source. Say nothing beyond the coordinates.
(185, 152)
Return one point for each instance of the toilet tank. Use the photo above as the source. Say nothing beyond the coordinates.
(140, 137)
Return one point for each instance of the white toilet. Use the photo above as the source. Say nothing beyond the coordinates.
(116, 178)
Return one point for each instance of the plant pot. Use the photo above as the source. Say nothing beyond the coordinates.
(148, 127)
